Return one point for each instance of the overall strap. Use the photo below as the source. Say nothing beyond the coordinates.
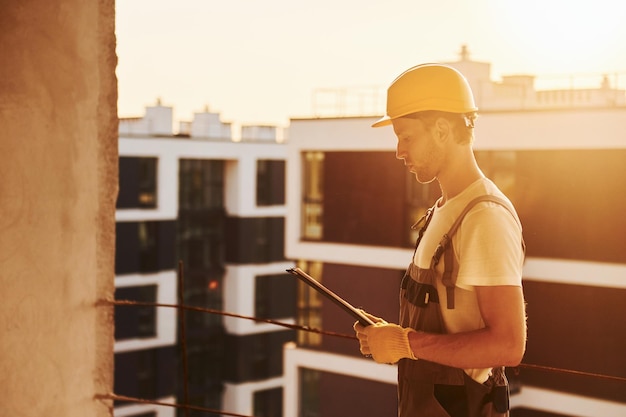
(445, 245)
(425, 219)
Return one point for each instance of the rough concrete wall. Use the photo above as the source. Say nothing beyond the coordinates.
(58, 184)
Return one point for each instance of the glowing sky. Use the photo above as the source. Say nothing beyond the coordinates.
(259, 61)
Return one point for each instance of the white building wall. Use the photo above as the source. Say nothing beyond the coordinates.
(554, 129)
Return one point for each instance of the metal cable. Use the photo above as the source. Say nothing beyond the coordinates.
(185, 407)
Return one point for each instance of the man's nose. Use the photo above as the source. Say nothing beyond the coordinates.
(400, 153)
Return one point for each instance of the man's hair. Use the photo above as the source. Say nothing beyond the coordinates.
(462, 123)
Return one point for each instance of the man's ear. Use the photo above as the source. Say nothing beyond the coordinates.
(443, 129)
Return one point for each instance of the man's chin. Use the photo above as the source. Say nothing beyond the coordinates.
(421, 180)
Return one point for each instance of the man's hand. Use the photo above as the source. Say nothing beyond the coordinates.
(386, 342)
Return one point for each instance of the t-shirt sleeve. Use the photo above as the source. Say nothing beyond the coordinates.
(489, 248)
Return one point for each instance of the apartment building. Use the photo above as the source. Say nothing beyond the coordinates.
(559, 155)
(198, 204)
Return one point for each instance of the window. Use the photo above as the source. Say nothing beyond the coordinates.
(144, 247)
(138, 183)
(270, 182)
(363, 199)
(147, 195)
(275, 296)
(148, 249)
(310, 396)
(254, 239)
(146, 373)
(253, 357)
(313, 197)
(201, 184)
(135, 321)
(309, 306)
(349, 396)
(268, 403)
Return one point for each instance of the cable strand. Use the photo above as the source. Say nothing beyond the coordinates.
(223, 313)
(117, 397)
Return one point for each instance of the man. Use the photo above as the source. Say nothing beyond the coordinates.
(462, 317)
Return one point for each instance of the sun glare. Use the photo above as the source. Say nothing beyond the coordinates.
(566, 35)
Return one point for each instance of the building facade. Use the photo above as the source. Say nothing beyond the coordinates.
(559, 155)
(200, 205)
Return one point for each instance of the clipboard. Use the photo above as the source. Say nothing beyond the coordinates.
(354, 312)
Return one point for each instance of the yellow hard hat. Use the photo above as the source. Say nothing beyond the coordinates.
(428, 87)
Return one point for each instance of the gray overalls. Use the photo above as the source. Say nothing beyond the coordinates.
(426, 388)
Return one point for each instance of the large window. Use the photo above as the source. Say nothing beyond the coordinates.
(355, 197)
(570, 201)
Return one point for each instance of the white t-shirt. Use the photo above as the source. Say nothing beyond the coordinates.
(487, 248)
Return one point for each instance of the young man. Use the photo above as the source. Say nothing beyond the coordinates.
(462, 317)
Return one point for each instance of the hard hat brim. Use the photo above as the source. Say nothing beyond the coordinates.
(383, 121)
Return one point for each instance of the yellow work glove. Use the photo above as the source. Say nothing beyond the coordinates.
(386, 342)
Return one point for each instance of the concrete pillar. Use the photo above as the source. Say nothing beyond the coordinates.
(58, 185)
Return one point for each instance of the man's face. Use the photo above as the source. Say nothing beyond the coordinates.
(417, 147)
